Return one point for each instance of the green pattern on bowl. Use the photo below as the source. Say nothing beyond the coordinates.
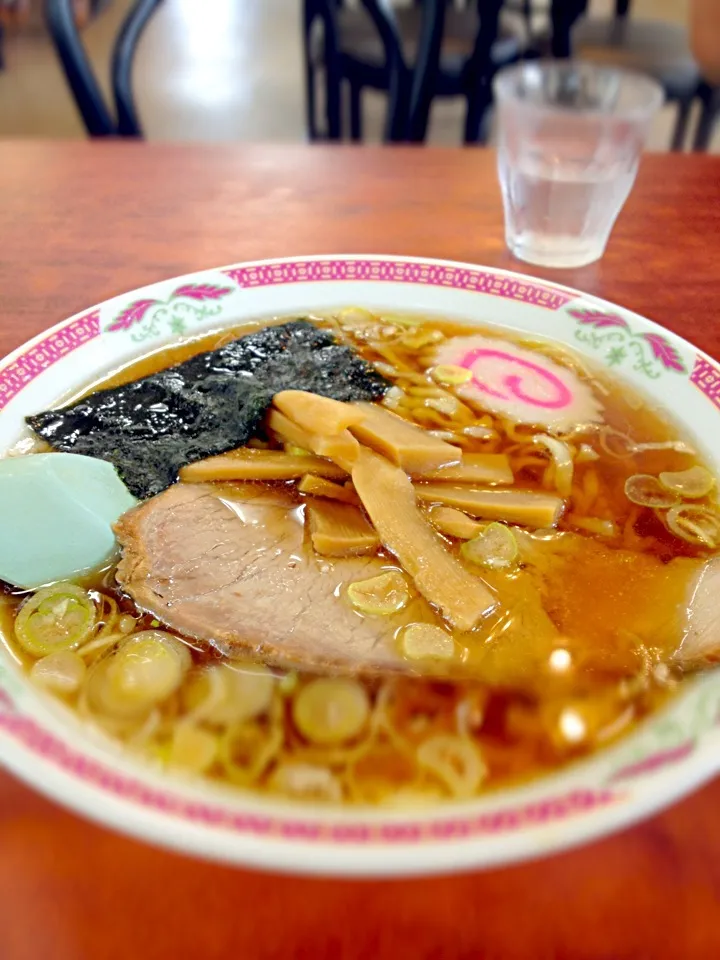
(670, 754)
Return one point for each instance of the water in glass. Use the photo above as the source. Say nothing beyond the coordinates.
(570, 138)
(561, 214)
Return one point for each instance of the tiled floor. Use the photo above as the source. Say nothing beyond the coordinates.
(214, 70)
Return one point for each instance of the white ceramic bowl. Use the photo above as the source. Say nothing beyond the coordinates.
(46, 745)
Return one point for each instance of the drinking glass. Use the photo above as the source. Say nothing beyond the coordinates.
(570, 139)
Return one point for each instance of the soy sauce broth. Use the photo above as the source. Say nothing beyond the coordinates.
(429, 740)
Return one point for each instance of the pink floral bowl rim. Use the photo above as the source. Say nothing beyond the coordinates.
(667, 757)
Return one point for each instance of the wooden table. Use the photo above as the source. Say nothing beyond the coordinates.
(82, 222)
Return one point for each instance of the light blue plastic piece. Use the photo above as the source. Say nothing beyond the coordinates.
(56, 512)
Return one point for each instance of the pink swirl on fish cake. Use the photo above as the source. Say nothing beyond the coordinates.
(563, 396)
(519, 384)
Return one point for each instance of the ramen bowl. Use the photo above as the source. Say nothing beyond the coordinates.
(50, 748)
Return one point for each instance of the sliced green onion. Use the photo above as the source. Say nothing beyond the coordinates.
(192, 748)
(55, 618)
(695, 524)
(229, 693)
(61, 673)
(147, 669)
(647, 491)
(150, 665)
(691, 484)
(496, 547)
(204, 691)
(250, 689)
(381, 595)
(451, 374)
(331, 710)
(422, 640)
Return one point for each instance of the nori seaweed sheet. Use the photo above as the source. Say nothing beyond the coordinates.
(211, 403)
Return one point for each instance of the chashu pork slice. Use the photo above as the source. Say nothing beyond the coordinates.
(230, 567)
(701, 641)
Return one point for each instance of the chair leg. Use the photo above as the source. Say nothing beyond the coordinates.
(708, 118)
(478, 74)
(622, 8)
(563, 14)
(2, 55)
(310, 102)
(333, 105)
(477, 107)
(355, 112)
(424, 76)
(397, 118)
(88, 95)
(123, 56)
(681, 124)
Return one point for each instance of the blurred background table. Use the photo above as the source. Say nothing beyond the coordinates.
(80, 222)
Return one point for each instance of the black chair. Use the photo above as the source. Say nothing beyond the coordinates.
(325, 23)
(121, 118)
(100, 119)
(431, 49)
(654, 47)
(710, 111)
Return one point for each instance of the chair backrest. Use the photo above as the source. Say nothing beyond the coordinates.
(397, 117)
(100, 120)
(382, 16)
(427, 65)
